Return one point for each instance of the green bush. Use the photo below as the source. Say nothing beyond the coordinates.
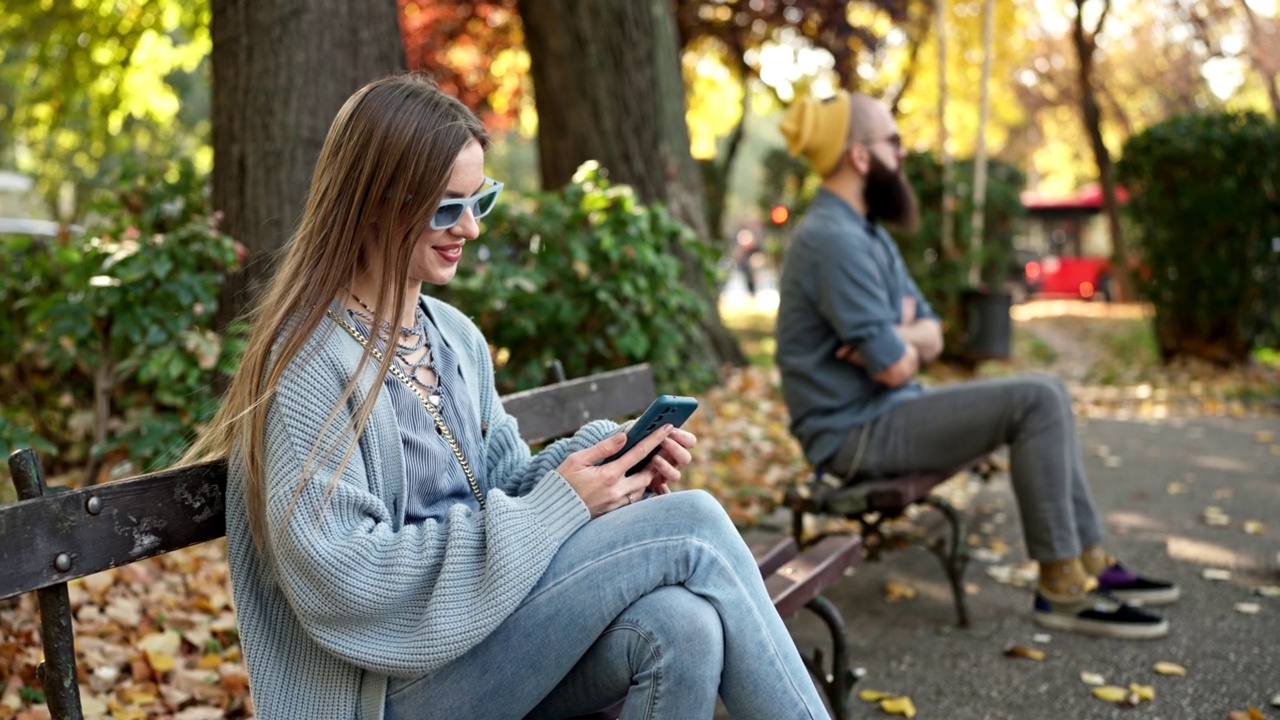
(1204, 194)
(114, 354)
(592, 277)
(942, 274)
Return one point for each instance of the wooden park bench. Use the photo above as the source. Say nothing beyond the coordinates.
(48, 537)
(874, 501)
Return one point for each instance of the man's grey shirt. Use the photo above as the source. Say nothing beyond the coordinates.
(842, 282)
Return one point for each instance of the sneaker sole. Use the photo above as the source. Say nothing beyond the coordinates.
(1119, 631)
(1147, 598)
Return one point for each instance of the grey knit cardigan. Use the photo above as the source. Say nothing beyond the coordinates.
(348, 595)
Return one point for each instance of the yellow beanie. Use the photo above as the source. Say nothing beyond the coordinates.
(817, 129)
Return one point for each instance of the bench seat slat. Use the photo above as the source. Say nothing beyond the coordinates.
(801, 579)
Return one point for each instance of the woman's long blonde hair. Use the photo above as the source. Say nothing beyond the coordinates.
(384, 167)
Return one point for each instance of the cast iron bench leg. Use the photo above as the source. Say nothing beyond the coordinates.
(838, 685)
(57, 673)
(953, 555)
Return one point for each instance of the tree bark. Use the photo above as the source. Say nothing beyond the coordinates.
(946, 240)
(281, 71)
(1263, 53)
(978, 219)
(1091, 116)
(608, 87)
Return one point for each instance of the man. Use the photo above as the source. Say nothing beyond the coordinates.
(853, 331)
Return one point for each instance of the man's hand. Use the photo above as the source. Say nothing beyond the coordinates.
(908, 310)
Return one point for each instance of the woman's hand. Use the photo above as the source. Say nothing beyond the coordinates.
(606, 487)
(675, 450)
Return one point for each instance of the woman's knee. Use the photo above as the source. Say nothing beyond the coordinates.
(673, 627)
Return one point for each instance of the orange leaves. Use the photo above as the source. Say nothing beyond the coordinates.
(153, 639)
(745, 454)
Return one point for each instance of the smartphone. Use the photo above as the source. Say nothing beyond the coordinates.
(673, 409)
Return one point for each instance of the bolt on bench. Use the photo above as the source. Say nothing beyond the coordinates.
(48, 537)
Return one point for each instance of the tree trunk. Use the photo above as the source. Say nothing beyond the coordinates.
(978, 219)
(1263, 53)
(946, 240)
(608, 87)
(281, 71)
(1091, 115)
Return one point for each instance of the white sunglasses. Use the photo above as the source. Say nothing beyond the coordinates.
(449, 212)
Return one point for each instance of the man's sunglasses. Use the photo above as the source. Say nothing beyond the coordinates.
(449, 212)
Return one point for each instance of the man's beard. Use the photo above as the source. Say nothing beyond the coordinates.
(890, 198)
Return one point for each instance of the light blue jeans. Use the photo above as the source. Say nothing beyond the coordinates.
(659, 603)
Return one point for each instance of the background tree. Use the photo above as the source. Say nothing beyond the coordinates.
(1085, 42)
(280, 73)
(469, 48)
(608, 88)
(87, 87)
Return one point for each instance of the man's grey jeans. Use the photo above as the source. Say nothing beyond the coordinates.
(949, 425)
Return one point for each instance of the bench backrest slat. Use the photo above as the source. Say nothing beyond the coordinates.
(160, 512)
(557, 410)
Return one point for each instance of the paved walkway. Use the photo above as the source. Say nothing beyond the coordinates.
(1153, 495)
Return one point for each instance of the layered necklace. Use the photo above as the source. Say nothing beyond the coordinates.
(410, 342)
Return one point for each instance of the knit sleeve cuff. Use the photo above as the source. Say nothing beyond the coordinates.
(558, 506)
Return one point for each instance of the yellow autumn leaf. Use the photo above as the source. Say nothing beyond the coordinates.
(160, 662)
(1264, 436)
(1022, 651)
(209, 661)
(899, 706)
(1089, 678)
(895, 591)
(1253, 527)
(874, 695)
(1144, 692)
(1111, 693)
(1168, 668)
(128, 714)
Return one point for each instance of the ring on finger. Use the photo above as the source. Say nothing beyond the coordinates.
(629, 500)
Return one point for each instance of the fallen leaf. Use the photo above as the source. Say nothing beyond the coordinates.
(899, 706)
(1215, 574)
(1253, 527)
(1089, 678)
(1168, 668)
(874, 695)
(1144, 692)
(1248, 608)
(1264, 436)
(1176, 488)
(1041, 638)
(1111, 693)
(1275, 700)
(1215, 517)
(895, 591)
(1022, 651)
(1268, 591)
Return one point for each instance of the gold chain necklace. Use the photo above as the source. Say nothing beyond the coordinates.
(431, 409)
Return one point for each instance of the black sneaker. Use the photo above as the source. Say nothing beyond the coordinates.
(1099, 615)
(1124, 584)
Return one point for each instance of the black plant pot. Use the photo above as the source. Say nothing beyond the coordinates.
(988, 329)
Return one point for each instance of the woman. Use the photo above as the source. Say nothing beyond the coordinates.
(395, 550)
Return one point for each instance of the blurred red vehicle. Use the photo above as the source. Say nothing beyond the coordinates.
(1069, 236)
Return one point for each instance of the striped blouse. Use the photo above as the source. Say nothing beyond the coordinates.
(434, 480)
